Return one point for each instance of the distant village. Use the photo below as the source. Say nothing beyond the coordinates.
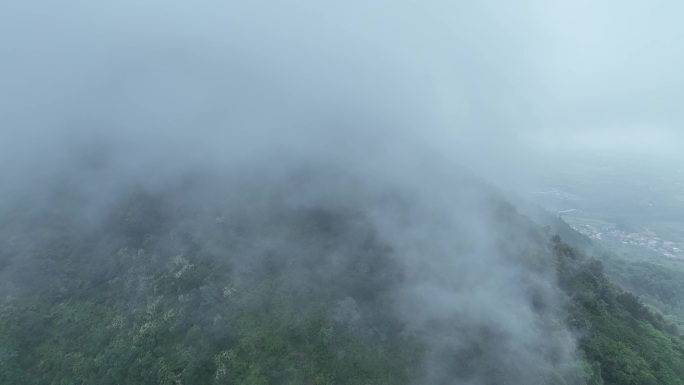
(651, 242)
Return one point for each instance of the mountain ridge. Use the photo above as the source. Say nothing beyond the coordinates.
(294, 285)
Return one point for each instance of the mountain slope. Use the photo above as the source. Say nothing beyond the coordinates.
(315, 277)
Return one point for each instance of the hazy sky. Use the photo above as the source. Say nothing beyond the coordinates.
(492, 84)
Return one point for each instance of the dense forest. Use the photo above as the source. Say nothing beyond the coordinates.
(248, 285)
(657, 280)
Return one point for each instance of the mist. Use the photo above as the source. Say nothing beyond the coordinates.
(331, 129)
(501, 80)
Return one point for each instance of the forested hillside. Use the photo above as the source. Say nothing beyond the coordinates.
(196, 284)
(658, 280)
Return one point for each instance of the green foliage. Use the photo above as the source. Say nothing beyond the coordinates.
(658, 281)
(10, 372)
(142, 305)
(627, 342)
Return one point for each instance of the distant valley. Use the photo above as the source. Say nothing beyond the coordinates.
(634, 200)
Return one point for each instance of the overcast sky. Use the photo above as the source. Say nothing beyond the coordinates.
(493, 84)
